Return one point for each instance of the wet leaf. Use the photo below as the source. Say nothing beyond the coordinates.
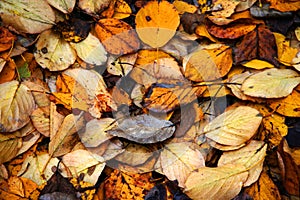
(251, 156)
(143, 129)
(263, 84)
(223, 182)
(234, 127)
(53, 52)
(16, 105)
(117, 36)
(156, 23)
(258, 44)
(178, 160)
(27, 16)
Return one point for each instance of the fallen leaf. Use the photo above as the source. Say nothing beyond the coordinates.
(122, 65)
(208, 64)
(16, 186)
(16, 106)
(6, 39)
(288, 106)
(182, 7)
(8, 72)
(121, 10)
(143, 129)
(156, 23)
(117, 36)
(257, 64)
(65, 138)
(90, 50)
(53, 52)
(262, 84)
(244, 5)
(257, 44)
(40, 118)
(190, 21)
(29, 19)
(228, 8)
(251, 156)
(223, 182)
(284, 6)
(264, 188)
(178, 160)
(286, 54)
(234, 127)
(65, 6)
(9, 146)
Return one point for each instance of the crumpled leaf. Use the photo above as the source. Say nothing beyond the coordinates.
(117, 37)
(156, 23)
(27, 16)
(178, 160)
(234, 127)
(286, 54)
(38, 168)
(228, 8)
(65, 138)
(6, 39)
(65, 6)
(90, 50)
(95, 132)
(143, 129)
(93, 7)
(251, 156)
(209, 64)
(53, 52)
(258, 44)
(271, 83)
(16, 104)
(223, 182)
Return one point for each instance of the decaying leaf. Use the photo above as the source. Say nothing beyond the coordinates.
(93, 7)
(122, 9)
(234, 127)
(271, 83)
(143, 129)
(228, 8)
(53, 52)
(223, 182)
(65, 6)
(6, 39)
(27, 16)
(117, 36)
(9, 147)
(156, 23)
(178, 160)
(251, 156)
(122, 65)
(16, 105)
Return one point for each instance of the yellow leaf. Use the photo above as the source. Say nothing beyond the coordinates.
(16, 186)
(223, 182)
(271, 83)
(251, 156)
(258, 64)
(122, 10)
(16, 104)
(285, 52)
(285, 6)
(182, 7)
(234, 127)
(156, 23)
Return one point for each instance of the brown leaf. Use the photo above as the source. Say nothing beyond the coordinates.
(258, 44)
(190, 21)
(117, 36)
(6, 39)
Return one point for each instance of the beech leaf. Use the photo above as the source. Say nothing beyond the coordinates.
(65, 6)
(234, 127)
(143, 129)
(223, 182)
(271, 83)
(16, 104)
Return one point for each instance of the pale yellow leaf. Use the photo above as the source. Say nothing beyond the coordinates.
(29, 141)
(16, 104)
(271, 83)
(95, 132)
(28, 16)
(234, 127)
(38, 168)
(65, 6)
(224, 182)
(122, 65)
(64, 140)
(178, 160)
(90, 50)
(92, 6)
(250, 156)
(53, 52)
(40, 118)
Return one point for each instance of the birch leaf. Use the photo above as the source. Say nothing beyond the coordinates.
(223, 182)
(65, 6)
(29, 16)
(144, 129)
(90, 50)
(234, 127)
(251, 156)
(271, 83)
(16, 104)
(64, 140)
(53, 52)
(178, 160)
